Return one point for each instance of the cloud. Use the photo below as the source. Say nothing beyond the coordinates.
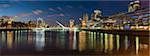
(61, 15)
(24, 14)
(37, 12)
(59, 8)
(55, 9)
(5, 5)
(52, 15)
(51, 9)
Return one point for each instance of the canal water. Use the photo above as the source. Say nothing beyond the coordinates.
(72, 43)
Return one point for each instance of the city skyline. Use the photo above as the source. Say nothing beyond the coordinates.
(87, 27)
(62, 11)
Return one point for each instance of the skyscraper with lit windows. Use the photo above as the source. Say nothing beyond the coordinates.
(134, 5)
(71, 23)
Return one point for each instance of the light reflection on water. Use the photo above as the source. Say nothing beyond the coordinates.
(126, 42)
(82, 41)
(118, 41)
(9, 39)
(78, 42)
(40, 40)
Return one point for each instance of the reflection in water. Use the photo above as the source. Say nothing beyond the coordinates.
(89, 38)
(85, 41)
(126, 42)
(82, 40)
(137, 44)
(70, 39)
(19, 38)
(106, 42)
(3, 37)
(91, 41)
(9, 39)
(118, 41)
(110, 42)
(61, 41)
(30, 38)
(101, 39)
(40, 40)
(74, 41)
(15, 36)
(94, 40)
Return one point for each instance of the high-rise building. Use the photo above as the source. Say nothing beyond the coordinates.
(85, 20)
(96, 16)
(9, 23)
(71, 23)
(134, 5)
(5, 18)
(130, 7)
(85, 17)
(40, 22)
(83, 24)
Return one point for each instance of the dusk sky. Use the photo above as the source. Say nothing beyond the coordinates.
(60, 10)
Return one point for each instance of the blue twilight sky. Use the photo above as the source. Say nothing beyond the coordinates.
(60, 10)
